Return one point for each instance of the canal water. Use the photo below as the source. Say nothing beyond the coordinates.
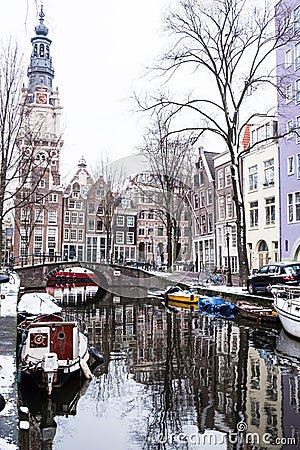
(174, 379)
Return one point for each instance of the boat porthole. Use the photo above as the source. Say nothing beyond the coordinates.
(61, 335)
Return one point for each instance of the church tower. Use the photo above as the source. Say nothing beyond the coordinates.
(38, 219)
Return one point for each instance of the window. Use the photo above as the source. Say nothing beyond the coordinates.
(298, 130)
(130, 221)
(51, 237)
(120, 221)
(91, 225)
(253, 178)
(38, 240)
(66, 234)
(202, 199)
(53, 198)
(209, 222)
(203, 224)
(297, 19)
(288, 58)
(209, 197)
(81, 218)
(73, 234)
(74, 218)
(67, 217)
(289, 128)
(91, 208)
(41, 184)
(141, 231)
(25, 215)
(52, 217)
(298, 166)
(221, 208)
(297, 91)
(196, 180)
(294, 207)
(233, 236)
(39, 216)
(196, 201)
(130, 238)
(227, 176)
(270, 210)
(297, 56)
(290, 165)
(120, 237)
(99, 225)
(100, 209)
(78, 204)
(220, 179)
(269, 172)
(253, 214)
(160, 231)
(228, 207)
(80, 235)
(151, 215)
(288, 93)
(39, 198)
(71, 204)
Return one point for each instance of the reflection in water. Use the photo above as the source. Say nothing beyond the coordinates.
(177, 379)
(42, 411)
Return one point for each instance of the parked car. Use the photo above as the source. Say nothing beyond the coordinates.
(274, 273)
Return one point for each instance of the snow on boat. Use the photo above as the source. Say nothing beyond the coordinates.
(256, 312)
(51, 350)
(287, 305)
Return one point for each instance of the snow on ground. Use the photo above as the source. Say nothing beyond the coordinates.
(9, 295)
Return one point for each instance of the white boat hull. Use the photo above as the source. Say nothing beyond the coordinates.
(288, 310)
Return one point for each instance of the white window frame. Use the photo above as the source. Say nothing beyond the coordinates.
(288, 93)
(120, 221)
(120, 237)
(291, 165)
(288, 58)
(130, 238)
(289, 128)
(52, 217)
(297, 55)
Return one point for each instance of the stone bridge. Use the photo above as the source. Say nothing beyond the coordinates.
(123, 281)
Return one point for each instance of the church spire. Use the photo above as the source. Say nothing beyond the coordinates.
(40, 71)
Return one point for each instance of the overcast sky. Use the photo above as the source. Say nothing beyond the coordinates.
(100, 51)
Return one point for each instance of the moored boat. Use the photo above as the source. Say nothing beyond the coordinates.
(51, 349)
(256, 312)
(179, 296)
(75, 277)
(287, 305)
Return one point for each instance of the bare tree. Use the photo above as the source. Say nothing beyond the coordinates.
(169, 158)
(112, 179)
(230, 46)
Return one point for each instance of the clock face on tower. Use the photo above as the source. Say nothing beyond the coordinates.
(41, 98)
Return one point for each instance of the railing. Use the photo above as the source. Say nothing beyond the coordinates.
(34, 259)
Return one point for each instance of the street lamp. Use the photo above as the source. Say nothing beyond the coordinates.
(229, 275)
